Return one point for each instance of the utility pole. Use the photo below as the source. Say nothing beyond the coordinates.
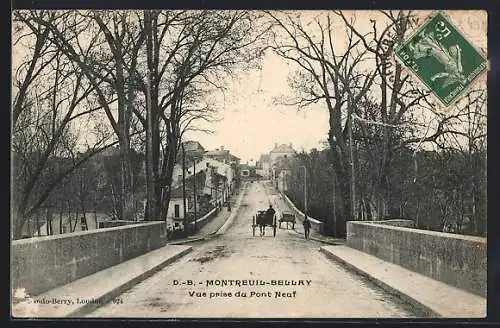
(194, 190)
(149, 150)
(184, 187)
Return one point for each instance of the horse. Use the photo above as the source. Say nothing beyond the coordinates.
(264, 220)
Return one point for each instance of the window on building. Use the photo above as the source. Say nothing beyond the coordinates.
(179, 178)
(176, 210)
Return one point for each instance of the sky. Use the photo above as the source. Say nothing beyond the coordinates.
(252, 123)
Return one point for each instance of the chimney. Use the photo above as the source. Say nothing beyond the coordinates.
(221, 147)
(275, 145)
(291, 145)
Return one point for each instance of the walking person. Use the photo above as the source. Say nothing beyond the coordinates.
(307, 226)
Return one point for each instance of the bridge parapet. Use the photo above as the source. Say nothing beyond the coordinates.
(41, 264)
(457, 260)
(316, 225)
(397, 223)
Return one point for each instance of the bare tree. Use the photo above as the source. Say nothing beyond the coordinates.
(328, 73)
(105, 45)
(466, 137)
(188, 55)
(365, 92)
(47, 105)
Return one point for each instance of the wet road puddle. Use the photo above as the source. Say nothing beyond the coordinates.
(218, 252)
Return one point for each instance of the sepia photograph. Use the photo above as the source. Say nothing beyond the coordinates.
(262, 164)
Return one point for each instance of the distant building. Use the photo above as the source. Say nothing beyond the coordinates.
(225, 170)
(263, 166)
(175, 212)
(194, 151)
(193, 146)
(278, 153)
(215, 182)
(245, 170)
(282, 171)
(222, 155)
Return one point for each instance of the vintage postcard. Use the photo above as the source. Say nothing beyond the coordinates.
(249, 164)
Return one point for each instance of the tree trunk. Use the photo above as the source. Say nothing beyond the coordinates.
(76, 220)
(167, 171)
(61, 211)
(69, 216)
(84, 213)
(473, 224)
(18, 222)
(49, 222)
(127, 197)
(344, 208)
(115, 210)
(37, 222)
(417, 214)
(95, 213)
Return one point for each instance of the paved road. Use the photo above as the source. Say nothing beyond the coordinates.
(323, 288)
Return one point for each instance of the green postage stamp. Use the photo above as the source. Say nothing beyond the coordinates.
(440, 56)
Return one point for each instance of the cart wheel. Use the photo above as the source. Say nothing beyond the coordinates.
(274, 231)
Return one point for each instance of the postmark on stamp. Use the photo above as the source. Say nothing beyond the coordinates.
(442, 58)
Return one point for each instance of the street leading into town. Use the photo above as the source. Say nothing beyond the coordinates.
(237, 275)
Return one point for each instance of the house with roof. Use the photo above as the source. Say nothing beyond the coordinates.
(193, 147)
(194, 191)
(245, 170)
(222, 155)
(215, 180)
(263, 165)
(194, 150)
(282, 151)
(282, 171)
(226, 171)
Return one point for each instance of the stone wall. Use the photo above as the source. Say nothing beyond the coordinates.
(316, 225)
(41, 264)
(115, 223)
(457, 260)
(397, 223)
(200, 222)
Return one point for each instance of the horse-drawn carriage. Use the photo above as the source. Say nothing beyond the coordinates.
(288, 218)
(262, 220)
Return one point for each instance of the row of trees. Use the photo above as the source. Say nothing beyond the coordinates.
(381, 122)
(442, 194)
(139, 80)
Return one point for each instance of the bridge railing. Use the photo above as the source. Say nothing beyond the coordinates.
(316, 225)
(457, 260)
(41, 264)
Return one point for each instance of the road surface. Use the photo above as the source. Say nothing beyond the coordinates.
(237, 275)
